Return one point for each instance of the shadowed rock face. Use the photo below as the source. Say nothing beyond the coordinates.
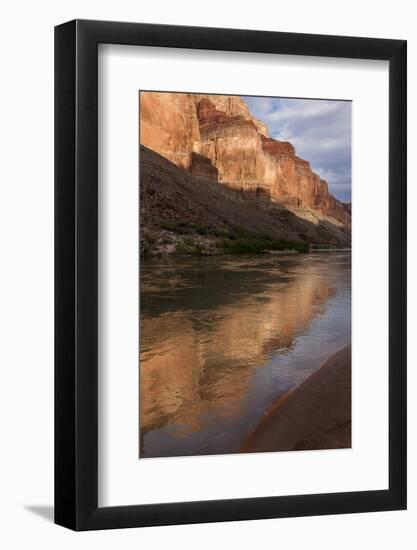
(184, 128)
(169, 195)
(202, 167)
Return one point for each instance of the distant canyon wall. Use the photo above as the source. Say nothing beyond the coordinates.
(216, 137)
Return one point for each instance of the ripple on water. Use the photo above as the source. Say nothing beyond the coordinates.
(222, 337)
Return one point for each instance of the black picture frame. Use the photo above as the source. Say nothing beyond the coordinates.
(76, 272)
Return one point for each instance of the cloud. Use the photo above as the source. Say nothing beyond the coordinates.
(320, 131)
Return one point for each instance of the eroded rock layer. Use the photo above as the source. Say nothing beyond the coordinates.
(216, 137)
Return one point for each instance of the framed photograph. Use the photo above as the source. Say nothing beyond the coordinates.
(230, 252)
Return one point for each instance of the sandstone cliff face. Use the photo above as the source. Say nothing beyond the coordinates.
(171, 197)
(216, 137)
(202, 167)
(233, 106)
(169, 126)
(232, 144)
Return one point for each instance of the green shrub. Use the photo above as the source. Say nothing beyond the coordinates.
(257, 245)
(231, 241)
(189, 247)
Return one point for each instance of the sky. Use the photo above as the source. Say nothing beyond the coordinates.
(320, 131)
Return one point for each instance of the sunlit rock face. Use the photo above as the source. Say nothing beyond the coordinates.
(233, 106)
(184, 128)
(233, 145)
(169, 126)
(292, 182)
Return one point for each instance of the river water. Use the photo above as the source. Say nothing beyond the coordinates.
(222, 337)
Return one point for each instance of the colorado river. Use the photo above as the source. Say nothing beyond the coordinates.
(222, 337)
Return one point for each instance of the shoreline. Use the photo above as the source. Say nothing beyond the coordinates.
(314, 415)
(175, 254)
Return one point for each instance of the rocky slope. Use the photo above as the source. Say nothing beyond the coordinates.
(216, 137)
(182, 212)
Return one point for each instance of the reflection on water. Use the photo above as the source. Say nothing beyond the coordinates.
(222, 337)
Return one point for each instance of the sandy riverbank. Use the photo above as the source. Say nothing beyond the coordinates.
(315, 415)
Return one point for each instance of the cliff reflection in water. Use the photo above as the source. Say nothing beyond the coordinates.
(222, 337)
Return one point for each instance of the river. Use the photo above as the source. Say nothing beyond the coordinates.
(222, 337)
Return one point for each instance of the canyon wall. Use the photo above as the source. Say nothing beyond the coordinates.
(216, 137)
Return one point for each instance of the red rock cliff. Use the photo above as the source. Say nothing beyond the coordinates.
(216, 137)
